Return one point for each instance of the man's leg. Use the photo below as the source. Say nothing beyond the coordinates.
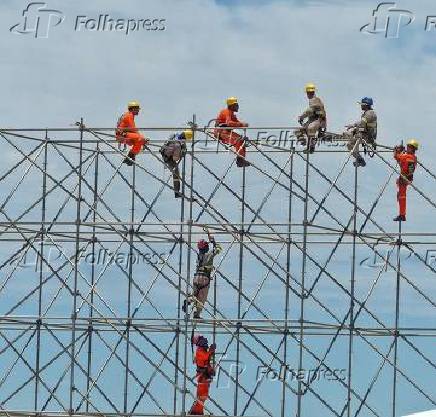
(174, 167)
(402, 197)
(237, 141)
(201, 283)
(312, 131)
(197, 408)
(353, 146)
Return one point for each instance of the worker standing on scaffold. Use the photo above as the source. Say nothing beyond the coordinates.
(205, 372)
(126, 132)
(202, 277)
(227, 118)
(173, 151)
(313, 119)
(407, 161)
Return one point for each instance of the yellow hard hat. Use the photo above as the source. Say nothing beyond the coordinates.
(414, 143)
(232, 100)
(188, 134)
(133, 104)
(310, 88)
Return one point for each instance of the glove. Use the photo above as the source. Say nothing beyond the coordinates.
(399, 148)
(301, 120)
(212, 347)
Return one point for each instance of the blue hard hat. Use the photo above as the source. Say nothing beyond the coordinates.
(367, 100)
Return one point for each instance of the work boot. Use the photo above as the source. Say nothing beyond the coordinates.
(197, 315)
(359, 162)
(178, 194)
(185, 305)
(400, 218)
(241, 162)
(129, 158)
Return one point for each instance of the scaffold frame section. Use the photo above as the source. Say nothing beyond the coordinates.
(96, 259)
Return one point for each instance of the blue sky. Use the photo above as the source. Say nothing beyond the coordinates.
(263, 52)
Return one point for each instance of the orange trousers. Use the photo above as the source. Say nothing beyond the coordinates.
(234, 139)
(197, 408)
(133, 139)
(402, 195)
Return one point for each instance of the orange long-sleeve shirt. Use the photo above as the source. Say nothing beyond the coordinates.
(407, 163)
(127, 122)
(228, 118)
(203, 357)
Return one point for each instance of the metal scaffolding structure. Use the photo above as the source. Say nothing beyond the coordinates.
(313, 303)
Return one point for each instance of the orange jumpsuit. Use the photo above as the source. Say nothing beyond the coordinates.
(130, 134)
(205, 373)
(407, 164)
(227, 118)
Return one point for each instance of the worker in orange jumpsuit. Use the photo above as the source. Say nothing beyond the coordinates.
(227, 118)
(407, 161)
(205, 372)
(127, 132)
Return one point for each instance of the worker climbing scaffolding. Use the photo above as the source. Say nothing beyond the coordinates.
(173, 151)
(203, 275)
(363, 131)
(205, 372)
(227, 119)
(127, 132)
(407, 160)
(313, 120)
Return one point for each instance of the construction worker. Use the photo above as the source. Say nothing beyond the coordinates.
(202, 277)
(227, 118)
(313, 119)
(407, 161)
(126, 132)
(365, 130)
(205, 372)
(172, 151)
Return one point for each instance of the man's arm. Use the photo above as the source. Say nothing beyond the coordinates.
(398, 152)
(233, 121)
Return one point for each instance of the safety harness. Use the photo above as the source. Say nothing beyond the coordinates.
(167, 148)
